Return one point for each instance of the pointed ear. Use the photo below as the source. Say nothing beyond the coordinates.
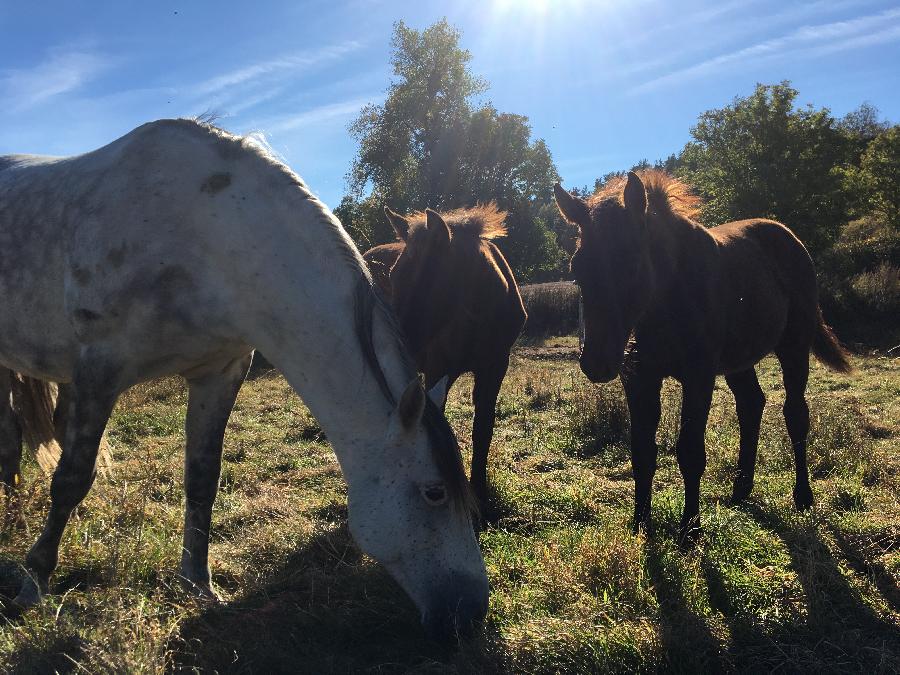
(635, 197)
(438, 393)
(438, 231)
(571, 207)
(412, 403)
(398, 222)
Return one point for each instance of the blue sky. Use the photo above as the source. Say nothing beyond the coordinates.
(604, 83)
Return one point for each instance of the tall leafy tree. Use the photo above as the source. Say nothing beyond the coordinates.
(762, 156)
(430, 145)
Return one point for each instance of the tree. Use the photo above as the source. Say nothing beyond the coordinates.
(761, 156)
(877, 179)
(429, 145)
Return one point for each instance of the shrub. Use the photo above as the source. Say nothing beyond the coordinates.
(552, 308)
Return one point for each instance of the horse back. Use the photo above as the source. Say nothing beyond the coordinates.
(766, 282)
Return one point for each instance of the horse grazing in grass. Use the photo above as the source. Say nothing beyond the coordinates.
(699, 303)
(173, 250)
(458, 304)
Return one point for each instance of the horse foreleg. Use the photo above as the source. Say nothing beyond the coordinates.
(691, 450)
(485, 391)
(642, 393)
(96, 386)
(210, 400)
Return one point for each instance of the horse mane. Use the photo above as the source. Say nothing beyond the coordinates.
(484, 221)
(444, 446)
(664, 193)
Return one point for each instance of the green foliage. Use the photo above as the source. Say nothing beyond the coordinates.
(429, 145)
(876, 180)
(762, 156)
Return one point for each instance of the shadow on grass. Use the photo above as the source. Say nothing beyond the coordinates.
(837, 631)
(327, 609)
(688, 643)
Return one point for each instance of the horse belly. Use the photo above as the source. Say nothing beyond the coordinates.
(756, 322)
(35, 336)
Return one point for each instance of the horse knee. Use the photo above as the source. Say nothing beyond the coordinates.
(69, 487)
(796, 417)
(757, 403)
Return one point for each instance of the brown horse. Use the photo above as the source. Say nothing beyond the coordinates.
(698, 303)
(458, 303)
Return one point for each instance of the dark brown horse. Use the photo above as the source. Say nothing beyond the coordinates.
(459, 306)
(698, 303)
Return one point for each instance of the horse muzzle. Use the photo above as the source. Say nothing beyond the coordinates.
(456, 608)
(601, 369)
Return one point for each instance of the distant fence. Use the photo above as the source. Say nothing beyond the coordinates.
(553, 308)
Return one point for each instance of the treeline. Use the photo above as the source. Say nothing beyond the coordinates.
(834, 181)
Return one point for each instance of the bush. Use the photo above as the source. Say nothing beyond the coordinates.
(552, 308)
(860, 283)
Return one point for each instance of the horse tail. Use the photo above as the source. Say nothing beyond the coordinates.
(34, 402)
(828, 349)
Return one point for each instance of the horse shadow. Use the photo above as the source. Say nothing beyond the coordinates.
(325, 609)
(837, 625)
(688, 642)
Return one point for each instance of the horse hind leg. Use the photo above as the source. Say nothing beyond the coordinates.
(96, 386)
(795, 373)
(210, 400)
(10, 436)
(750, 402)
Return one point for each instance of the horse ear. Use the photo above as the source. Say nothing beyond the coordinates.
(398, 222)
(438, 393)
(438, 231)
(572, 208)
(635, 197)
(412, 403)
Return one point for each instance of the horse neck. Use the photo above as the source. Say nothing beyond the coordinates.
(305, 279)
(668, 238)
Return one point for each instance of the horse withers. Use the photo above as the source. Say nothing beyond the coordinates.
(177, 249)
(666, 297)
(458, 304)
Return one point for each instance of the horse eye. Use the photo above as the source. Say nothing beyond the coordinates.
(435, 495)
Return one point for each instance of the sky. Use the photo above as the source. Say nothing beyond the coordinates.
(605, 83)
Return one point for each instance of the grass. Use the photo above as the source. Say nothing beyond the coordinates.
(572, 589)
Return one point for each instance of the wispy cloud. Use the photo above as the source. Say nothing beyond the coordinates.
(290, 64)
(64, 70)
(323, 113)
(803, 42)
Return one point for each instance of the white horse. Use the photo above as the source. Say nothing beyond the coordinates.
(178, 249)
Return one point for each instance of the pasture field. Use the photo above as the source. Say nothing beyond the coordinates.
(572, 589)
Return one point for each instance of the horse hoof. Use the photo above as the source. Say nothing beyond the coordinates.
(741, 491)
(689, 533)
(202, 591)
(29, 595)
(803, 497)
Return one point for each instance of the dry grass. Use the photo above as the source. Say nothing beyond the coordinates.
(572, 589)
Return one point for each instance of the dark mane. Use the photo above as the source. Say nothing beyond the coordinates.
(664, 192)
(485, 221)
(444, 446)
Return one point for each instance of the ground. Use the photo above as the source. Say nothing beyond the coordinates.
(572, 589)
